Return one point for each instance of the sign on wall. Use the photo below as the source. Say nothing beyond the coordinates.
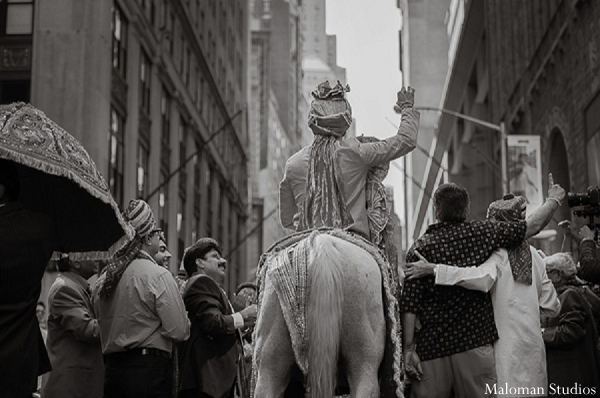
(525, 169)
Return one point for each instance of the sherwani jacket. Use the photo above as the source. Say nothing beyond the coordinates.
(73, 341)
(208, 359)
(26, 244)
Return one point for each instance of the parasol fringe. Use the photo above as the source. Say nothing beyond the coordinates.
(60, 171)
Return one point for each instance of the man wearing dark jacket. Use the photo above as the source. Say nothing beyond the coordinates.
(209, 358)
(26, 244)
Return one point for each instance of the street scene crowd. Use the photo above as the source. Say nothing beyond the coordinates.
(474, 310)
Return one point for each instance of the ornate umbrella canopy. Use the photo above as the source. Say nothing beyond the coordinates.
(58, 177)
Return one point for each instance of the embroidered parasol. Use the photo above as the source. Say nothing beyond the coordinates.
(58, 177)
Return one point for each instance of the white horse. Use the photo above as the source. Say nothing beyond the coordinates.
(345, 320)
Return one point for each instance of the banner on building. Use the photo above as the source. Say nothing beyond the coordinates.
(525, 169)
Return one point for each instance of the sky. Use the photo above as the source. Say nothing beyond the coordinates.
(368, 47)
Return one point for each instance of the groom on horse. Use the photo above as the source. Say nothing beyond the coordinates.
(336, 183)
(324, 184)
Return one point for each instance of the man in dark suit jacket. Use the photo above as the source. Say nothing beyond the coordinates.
(208, 359)
(26, 245)
(73, 334)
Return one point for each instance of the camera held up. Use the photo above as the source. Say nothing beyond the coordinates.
(586, 205)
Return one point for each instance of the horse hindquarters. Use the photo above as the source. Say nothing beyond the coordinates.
(363, 339)
(362, 329)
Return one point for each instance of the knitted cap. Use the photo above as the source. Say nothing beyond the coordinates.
(140, 216)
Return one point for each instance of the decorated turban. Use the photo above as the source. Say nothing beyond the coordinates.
(330, 114)
(140, 216)
(509, 209)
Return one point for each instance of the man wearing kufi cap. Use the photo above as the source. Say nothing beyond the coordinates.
(140, 313)
(520, 290)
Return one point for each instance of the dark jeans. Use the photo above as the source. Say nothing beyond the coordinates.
(138, 376)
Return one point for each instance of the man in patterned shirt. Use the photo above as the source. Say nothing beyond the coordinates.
(457, 324)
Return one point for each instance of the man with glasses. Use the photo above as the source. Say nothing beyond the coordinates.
(140, 313)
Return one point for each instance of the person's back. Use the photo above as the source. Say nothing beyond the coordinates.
(73, 335)
(130, 317)
(26, 245)
(140, 313)
(464, 244)
(520, 352)
(350, 160)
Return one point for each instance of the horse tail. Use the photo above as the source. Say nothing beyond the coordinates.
(324, 318)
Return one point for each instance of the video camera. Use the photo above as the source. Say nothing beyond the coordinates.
(586, 205)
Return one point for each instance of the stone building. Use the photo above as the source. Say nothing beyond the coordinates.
(532, 66)
(424, 43)
(276, 117)
(156, 92)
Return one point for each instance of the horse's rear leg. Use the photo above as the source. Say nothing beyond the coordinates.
(274, 355)
(363, 359)
(363, 339)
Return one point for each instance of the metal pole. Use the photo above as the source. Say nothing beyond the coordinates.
(503, 155)
(462, 116)
(497, 127)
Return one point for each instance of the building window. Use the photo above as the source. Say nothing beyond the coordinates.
(197, 192)
(143, 161)
(183, 136)
(145, 83)
(209, 213)
(181, 213)
(172, 34)
(16, 17)
(200, 95)
(163, 200)
(116, 150)
(14, 90)
(201, 25)
(181, 227)
(165, 159)
(119, 41)
(220, 230)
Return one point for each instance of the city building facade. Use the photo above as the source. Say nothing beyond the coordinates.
(156, 92)
(319, 58)
(424, 44)
(276, 117)
(530, 67)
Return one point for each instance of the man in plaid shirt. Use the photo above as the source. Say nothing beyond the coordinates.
(457, 324)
